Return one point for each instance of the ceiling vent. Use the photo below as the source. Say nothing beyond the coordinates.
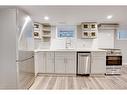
(108, 26)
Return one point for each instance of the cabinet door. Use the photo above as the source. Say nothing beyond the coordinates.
(41, 62)
(50, 59)
(60, 62)
(98, 62)
(65, 62)
(36, 63)
(45, 62)
(71, 63)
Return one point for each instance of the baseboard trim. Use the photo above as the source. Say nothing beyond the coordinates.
(50, 74)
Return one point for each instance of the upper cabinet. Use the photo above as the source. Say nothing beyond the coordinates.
(89, 29)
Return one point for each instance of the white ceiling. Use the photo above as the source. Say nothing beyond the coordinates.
(76, 14)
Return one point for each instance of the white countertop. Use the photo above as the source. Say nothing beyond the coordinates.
(86, 49)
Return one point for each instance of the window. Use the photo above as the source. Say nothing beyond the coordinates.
(122, 35)
(65, 31)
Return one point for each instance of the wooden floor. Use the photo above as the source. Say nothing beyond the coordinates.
(79, 83)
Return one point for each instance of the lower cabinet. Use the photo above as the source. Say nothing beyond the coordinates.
(50, 62)
(45, 61)
(98, 62)
(71, 63)
(65, 62)
(60, 62)
(55, 62)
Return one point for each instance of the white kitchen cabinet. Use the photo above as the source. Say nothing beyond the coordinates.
(55, 62)
(39, 62)
(65, 62)
(36, 63)
(71, 63)
(45, 62)
(98, 62)
(50, 62)
(59, 62)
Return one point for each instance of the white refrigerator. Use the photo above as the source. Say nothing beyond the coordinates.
(16, 56)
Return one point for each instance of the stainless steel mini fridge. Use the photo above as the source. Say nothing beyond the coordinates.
(83, 63)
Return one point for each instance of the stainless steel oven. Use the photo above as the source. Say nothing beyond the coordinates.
(113, 65)
(113, 60)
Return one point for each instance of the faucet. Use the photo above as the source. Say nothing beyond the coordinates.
(68, 43)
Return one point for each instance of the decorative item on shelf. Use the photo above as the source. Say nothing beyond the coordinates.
(36, 26)
(37, 31)
(36, 34)
(89, 30)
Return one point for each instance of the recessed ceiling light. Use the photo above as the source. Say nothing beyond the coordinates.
(46, 18)
(109, 16)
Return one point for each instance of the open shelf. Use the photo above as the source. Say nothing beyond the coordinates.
(46, 32)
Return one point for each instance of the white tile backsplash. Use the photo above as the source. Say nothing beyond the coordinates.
(77, 42)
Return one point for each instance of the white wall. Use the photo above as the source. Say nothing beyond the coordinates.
(122, 44)
(106, 38)
(77, 42)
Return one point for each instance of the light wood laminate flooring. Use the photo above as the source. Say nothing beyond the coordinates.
(80, 82)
